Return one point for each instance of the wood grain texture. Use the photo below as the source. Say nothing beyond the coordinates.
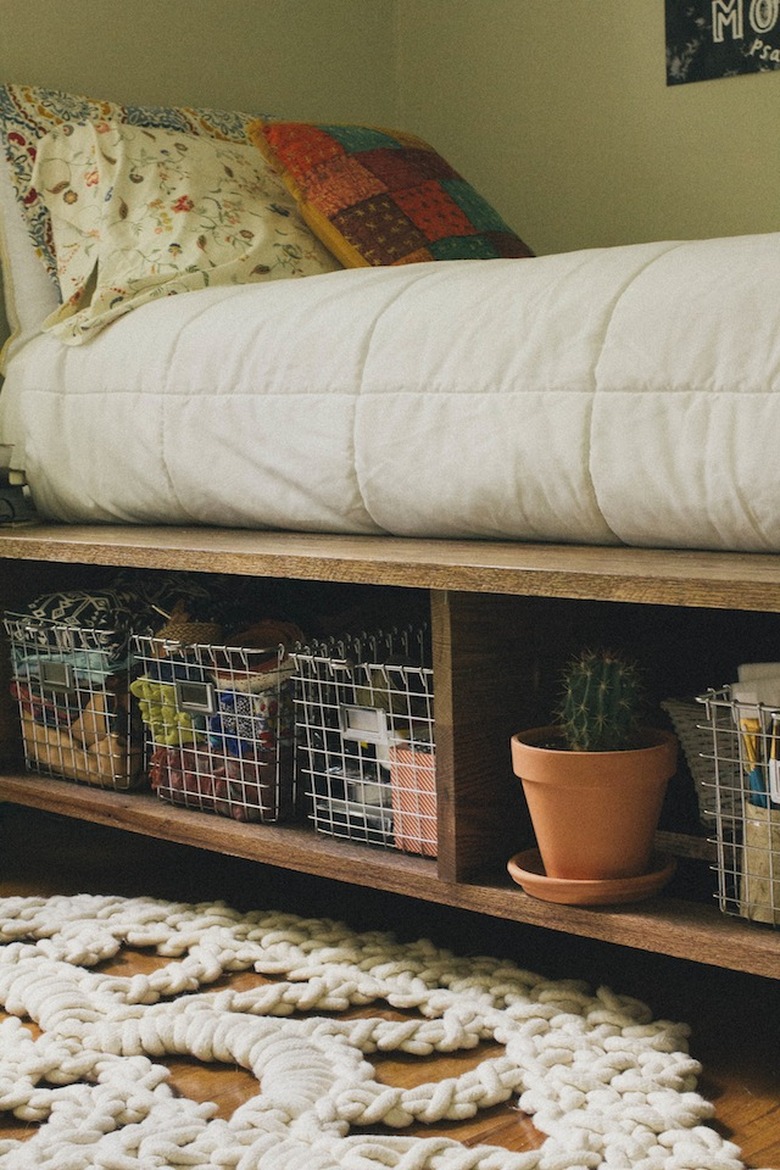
(485, 666)
(749, 581)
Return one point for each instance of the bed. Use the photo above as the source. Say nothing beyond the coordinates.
(620, 395)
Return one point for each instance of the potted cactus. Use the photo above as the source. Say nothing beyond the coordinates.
(595, 780)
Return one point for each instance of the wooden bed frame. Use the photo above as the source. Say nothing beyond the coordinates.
(492, 609)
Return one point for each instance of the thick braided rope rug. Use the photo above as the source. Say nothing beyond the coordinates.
(606, 1084)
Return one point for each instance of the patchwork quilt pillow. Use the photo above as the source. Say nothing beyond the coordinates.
(381, 197)
(140, 213)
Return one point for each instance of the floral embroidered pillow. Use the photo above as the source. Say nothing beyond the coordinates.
(29, 112)
(139, 213)
(378, 197)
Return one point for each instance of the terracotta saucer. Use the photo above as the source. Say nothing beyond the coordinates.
(527, 870)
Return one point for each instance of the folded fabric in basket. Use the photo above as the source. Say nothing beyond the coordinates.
(51, 709)
(241, 789)
(248, 721)
(56, 620)
(101, 620)
(89, 714)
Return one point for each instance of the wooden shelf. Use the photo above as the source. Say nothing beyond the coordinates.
(663, 925)
(487, 602)
(745, 581)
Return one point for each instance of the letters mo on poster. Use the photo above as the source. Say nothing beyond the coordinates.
(706, 39)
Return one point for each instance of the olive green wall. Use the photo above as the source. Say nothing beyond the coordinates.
(559, 111)
(302, 58)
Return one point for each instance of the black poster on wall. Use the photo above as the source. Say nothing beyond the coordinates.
(706, 39)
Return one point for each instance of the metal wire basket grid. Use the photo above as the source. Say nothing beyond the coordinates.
(71, 686)
(365, 734)
(744, 753)
(219, 726)
(695, 736)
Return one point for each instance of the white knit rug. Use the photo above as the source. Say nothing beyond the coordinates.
(607, 1084)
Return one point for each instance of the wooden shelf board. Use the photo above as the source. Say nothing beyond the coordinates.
(748, 581)
(288, 846)
(665, 925)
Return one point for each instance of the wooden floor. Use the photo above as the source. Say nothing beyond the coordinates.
(735, 1019)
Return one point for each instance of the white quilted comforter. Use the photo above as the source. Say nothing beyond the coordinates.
(612, 395)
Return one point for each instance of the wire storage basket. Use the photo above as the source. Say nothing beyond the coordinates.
(219, 726)
(365, 734)
(743, 752)
(714, 797)
(71, 685)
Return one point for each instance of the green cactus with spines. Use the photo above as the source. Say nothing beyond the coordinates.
(602, 702)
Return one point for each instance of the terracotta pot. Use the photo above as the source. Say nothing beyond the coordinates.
(594, 813)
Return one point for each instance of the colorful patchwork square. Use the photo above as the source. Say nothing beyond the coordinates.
(340, 183)
(354, 139)
(484, 217)
(404, 169)
(434, 211)
(306, 148)
(379, 230)
(478, 247)
(377, 197)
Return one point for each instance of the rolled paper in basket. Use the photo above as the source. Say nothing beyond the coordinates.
(760, 877)
(756, 783)
(762, 776)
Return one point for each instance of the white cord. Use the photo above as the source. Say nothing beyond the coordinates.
(607, 1084)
